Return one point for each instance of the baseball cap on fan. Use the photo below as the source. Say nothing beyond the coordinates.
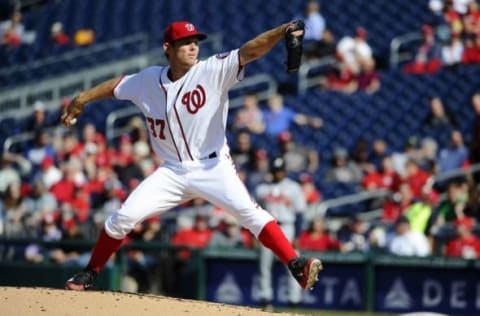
(182, 29)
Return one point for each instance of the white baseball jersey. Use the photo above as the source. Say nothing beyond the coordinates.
(186, 118)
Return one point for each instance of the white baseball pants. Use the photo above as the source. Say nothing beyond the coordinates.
(215, 180)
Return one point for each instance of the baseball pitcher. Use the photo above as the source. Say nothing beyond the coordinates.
(185, 105)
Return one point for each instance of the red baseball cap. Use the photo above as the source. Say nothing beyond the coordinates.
(182, 29)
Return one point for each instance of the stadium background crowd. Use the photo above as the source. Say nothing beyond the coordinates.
(64, 184)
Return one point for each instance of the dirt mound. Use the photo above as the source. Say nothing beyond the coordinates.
(44, 301)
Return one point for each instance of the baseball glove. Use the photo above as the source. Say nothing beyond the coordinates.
(294, 45)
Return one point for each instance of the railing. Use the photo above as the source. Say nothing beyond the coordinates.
(395, 45)
(304, 80)
(139, 40)
(18, 101)
(320, 209)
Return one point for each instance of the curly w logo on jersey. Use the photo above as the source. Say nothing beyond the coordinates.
(195, 99)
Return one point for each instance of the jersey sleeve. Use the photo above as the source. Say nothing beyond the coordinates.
(129, 88)
(226, 69)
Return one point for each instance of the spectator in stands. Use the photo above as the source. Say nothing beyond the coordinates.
(38, 120)
(89, 140)
(14, 209)
(415, 177)
(297, 158)
(39, 204)
(343, 169)
(64, 190)
(466, 245)
(131, 170)
(372, 180)
(456, 155)
(71, 147)
(314, 21)
(419, 214)
(314, 26)
(368, 79)
(471, 21)
(454, 17)
(250, 116)
(311, 193)
(428, 56)
(243, 154)
(384, 178)
(460, 6)
(8, 173)
(196, 237)
(260, 172)
(475, 140)
(439, 115)
(390, 179)
(452, 53)
(227, 235)
(361, 157)
(397, 203)
(316, 238)
(471, 54)
(353, 51)
(80, 205)
(406, 242)
(427, 159)
(341, 77)
(380, 150)
(111, 200)
(41, 149)
(124, 155)
(58, 35)
(353, 236)
(278, 118)
(454, 208)
(12, 31)
(400, 158)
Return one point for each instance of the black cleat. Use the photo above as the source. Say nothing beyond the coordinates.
(305, 271)
(81, 281)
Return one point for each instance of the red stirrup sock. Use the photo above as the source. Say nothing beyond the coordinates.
(102, 251)
(273, 238)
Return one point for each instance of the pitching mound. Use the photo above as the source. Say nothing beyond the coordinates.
(43, 301)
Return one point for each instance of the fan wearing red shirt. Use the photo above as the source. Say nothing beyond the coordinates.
(316, 238)
(196, 237)
(466, 245)
(471, 20)
(415, 177)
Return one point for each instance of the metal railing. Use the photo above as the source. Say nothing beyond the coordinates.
(306, 81)
(140, 41)
(395, 45)
(17, 102)
(320, 209)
